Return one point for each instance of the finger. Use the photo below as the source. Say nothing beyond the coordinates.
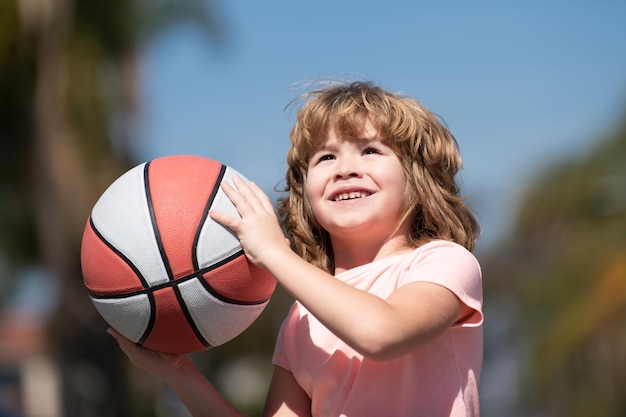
(230, 190)
(116, 335)
(238, 195)
(126, 345)
(251, 194)
(122, 340)
(263, 198)
(226, 220)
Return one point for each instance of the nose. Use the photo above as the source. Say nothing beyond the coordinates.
(348, 167)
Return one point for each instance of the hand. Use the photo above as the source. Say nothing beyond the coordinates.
(157, 363)
(178, 371)
(258, 229)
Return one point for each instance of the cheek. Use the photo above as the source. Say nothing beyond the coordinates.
(313, 185)
(311, 194)
(395, 175)
(307, 189)
(310, 208)
(402, 190)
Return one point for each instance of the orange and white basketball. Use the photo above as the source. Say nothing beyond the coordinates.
(159, 270)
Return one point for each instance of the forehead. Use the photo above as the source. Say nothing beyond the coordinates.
(365, 132)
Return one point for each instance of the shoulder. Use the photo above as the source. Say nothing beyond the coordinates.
(447, 264)
(443, 254)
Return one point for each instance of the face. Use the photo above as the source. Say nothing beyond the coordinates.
(356, 187)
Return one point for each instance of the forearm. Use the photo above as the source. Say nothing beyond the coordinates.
(179, 372)
(355, 316)
(200, 397)
(376, 327)
(380, 329)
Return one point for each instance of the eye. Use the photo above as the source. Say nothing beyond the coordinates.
(324, 157)
(370, 151)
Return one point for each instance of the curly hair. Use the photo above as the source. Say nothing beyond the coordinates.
(427, 150)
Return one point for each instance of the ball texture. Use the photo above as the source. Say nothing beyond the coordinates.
(159, 270)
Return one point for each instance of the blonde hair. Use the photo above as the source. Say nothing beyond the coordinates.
(427, 150)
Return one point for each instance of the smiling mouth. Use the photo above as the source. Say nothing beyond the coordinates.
(351, 196)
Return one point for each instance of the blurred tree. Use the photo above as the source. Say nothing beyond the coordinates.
(68, 72)
(565, 265)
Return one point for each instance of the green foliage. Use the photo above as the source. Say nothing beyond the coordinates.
(566, 267)
(17, 69)
(68, 79)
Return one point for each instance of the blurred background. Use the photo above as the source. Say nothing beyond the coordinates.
(535, 93)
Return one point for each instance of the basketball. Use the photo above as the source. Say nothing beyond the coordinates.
(159, 270)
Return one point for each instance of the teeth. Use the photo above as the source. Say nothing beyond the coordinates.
(350, 196)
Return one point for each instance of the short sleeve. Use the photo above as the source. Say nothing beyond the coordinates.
(453, 267)
(280, 357)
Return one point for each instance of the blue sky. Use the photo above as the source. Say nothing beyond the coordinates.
(519, 83)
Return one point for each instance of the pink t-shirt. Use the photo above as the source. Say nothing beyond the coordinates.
(437, 379)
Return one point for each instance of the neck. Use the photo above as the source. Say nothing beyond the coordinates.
(349, 253)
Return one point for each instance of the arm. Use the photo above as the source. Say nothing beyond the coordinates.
(285, 397)
(378, 328)
(195, 391)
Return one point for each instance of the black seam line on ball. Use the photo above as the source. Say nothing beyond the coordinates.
(155, 226)
(123, 257)
(197, 274)
(205, 215)
(151, 320)
(190, 320)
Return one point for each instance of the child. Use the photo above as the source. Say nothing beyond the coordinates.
(387, 319)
